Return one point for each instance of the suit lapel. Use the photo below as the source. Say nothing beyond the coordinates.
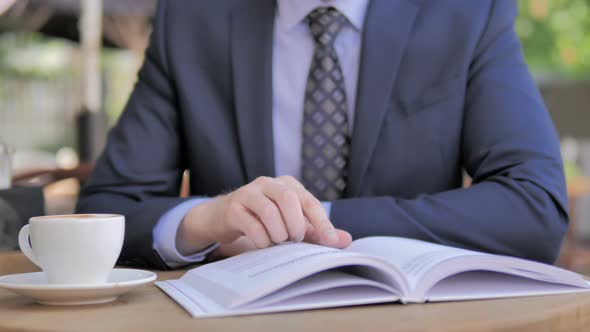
(252, 44)
(387, 28)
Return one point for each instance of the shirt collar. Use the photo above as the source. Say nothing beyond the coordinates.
(292, 12)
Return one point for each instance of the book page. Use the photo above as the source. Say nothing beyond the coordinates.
(412, 257)
(322, 281)
(488, 285)
(327, 298)
(425, 264)
(247, 277)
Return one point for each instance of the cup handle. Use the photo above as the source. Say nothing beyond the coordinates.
(25, 247)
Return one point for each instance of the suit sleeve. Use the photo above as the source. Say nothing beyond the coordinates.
(517, 203)
(139, 173)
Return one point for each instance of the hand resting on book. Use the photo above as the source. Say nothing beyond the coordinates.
(266, 211)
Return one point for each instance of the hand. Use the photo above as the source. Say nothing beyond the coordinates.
(239, 246)
(267, 211)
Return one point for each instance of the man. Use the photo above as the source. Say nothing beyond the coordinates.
(321, 120)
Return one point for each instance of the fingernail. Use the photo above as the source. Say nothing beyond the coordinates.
(331, 235)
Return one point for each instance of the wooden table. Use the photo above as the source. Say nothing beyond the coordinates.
(149, 309)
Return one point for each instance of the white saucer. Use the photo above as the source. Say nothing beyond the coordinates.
(35, 285)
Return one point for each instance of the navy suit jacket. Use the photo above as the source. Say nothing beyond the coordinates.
(443, 86)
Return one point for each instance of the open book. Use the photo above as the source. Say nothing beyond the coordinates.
(299, 276)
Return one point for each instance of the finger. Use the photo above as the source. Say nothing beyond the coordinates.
(268, 213)
(239, 246)
(344, 239)
(249, 225)
(287, 201)
(316, 214)
(314, 211)
(312, 236)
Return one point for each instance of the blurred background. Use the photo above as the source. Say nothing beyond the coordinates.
(67, 68)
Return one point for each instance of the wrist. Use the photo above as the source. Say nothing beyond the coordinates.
(196, 230)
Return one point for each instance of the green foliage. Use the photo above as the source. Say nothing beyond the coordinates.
(120, 69)
(556, 36)
(31, 56)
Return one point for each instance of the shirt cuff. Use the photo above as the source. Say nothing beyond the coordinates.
(328, 207)
(164, 235)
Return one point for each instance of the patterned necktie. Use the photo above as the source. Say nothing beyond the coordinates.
(326, 140)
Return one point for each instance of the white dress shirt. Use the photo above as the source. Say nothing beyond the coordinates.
(292, 53)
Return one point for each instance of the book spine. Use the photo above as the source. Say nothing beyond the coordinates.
(407, 300)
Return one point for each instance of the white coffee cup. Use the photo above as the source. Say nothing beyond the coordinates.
(74, 249)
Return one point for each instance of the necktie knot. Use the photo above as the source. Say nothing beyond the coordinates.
(325, 23)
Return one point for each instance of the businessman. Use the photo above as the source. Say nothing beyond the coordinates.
(322, 121)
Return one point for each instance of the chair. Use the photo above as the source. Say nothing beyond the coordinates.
(60, 186)
(42, 177)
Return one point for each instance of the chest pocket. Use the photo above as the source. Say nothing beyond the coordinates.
(434, 95)
(419, 145)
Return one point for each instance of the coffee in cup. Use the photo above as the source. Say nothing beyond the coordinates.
(74, 249)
